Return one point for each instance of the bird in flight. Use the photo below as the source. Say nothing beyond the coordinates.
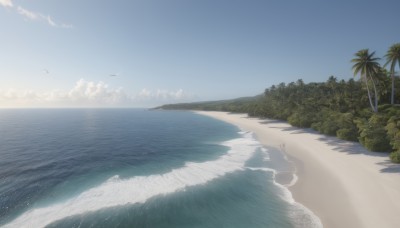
(46, 71)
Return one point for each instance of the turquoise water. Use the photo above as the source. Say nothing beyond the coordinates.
(138, 168)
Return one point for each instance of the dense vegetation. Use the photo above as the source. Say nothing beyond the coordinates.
(362, 110)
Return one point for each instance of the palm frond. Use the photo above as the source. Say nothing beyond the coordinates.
(393, 54)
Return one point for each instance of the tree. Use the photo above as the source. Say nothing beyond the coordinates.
(392, 57)
(368, 67)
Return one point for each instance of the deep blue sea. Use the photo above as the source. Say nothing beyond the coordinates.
(139, 168)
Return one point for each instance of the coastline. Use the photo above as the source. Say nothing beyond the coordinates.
(340, 182)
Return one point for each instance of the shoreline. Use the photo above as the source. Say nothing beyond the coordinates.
(340, 182)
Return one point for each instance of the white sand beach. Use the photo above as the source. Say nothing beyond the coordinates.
(341, 182)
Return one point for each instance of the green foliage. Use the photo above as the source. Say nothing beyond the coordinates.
(337, 108)
(301, 118)
(240, 105)
(373, 133)
(348, 134)
(367, 66)
(395, 156)
(393, 132)
(392, 58)
(348, 129)
(327, 123)
(336, 124)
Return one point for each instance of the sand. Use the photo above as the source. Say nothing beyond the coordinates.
(341, 182)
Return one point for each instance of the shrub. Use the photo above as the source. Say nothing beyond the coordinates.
(329, 127)
(349, 134)
(316, 126)
(395, 156)
(348, 129)
(393, 132)
(376, 140)
(373, 133)
(325, 122)
(301, 119)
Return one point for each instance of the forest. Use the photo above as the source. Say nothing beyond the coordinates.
(362, 109)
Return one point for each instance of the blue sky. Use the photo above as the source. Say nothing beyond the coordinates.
(165, 51)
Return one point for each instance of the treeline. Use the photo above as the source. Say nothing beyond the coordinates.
(362, 110)
(239, 105)
(337, 108)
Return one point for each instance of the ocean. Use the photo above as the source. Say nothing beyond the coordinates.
(140, 168)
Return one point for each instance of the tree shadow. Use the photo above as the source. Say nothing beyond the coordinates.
(355, 148)
(351, 148)
(348, 147)
(389, 167)
(271, 121)
(295, 130)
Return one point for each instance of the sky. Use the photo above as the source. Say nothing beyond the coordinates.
(144, 53)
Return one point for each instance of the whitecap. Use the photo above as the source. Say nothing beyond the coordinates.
(118, 192)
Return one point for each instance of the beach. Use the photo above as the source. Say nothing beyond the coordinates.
(340, 182)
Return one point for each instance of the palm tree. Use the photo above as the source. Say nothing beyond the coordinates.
(392, 57)
(368, 67)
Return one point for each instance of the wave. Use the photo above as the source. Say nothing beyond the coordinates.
(300, 215)
(117, 192)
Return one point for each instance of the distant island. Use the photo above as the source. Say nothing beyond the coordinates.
(363, 110)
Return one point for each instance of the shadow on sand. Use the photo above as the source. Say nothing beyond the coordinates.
(355, 148)
(351, 148)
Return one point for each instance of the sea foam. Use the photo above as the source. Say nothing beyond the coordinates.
(117, 192)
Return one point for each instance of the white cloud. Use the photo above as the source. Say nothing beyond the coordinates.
(29, 14)
(6, 3)
(90, 94)
(50, 21)
(40, 17)
(96, 93)
(161, 95)
(35, 16)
